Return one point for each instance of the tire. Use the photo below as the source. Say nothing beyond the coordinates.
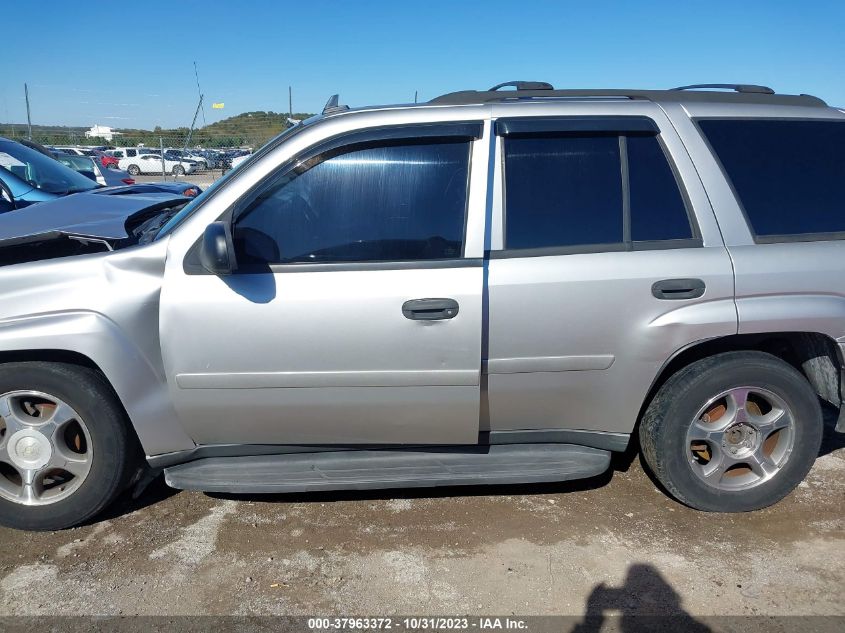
(178, 170)
(133, 170)
(110, 447)
(713, 453)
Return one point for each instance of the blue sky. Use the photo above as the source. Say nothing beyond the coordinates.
(131, 64)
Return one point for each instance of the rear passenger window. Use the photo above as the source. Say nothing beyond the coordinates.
(563, 191)
(568, 191)
(398, 202)
(788, 175)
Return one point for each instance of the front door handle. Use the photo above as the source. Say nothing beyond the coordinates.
(678, 288)
(430, 309)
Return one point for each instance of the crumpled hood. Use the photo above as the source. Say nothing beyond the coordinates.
(97, 214)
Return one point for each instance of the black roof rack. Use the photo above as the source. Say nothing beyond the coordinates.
(524, 85)
(747, 88)
(701, 93)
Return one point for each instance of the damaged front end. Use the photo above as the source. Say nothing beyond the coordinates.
(83, 224)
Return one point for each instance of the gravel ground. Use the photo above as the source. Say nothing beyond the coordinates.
(615, 544)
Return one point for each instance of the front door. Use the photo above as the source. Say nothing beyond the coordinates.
(355, 314)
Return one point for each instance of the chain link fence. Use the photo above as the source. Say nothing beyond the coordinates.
(198, 156)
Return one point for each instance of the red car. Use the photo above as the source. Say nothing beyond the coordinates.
(106, 160)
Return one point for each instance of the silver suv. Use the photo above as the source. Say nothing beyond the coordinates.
(492, 287)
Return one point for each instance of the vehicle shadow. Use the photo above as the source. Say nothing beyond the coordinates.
(645, 602)
(258, 286)
(154, 492)
(831, 440)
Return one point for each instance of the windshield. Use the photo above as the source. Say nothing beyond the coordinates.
(40, 171)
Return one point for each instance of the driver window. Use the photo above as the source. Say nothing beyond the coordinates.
(400, 201)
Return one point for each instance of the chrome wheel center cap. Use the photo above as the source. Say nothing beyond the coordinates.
(29, 449)
(740, 439)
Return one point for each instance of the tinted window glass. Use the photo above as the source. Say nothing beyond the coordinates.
(789, 175)
(657, 208)
(562, 191)
(386, 203)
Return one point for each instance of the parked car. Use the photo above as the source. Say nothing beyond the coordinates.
(131, 152)
(31, 176)
(119, 178)
(212, 158)
(106, 160)
(492, 287)
(91, 168)
(180, 155)
(78, 151)
(152, 164)
(237, 160)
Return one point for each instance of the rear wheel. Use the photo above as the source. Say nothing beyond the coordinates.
(133, 170)
(65, 447)
(733, 432)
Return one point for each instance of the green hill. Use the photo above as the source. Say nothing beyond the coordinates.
(249, 129)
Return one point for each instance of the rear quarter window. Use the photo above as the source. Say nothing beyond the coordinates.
(789, 175)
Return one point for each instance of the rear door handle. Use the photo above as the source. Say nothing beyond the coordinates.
(678, 289)
(430, 309)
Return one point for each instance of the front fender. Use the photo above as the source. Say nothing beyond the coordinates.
(138, 383)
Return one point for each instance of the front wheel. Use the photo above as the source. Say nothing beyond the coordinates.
(66, 450)
(733, 432)
(133, 170)
(178, 170)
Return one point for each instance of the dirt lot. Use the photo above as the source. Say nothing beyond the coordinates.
(617, 543)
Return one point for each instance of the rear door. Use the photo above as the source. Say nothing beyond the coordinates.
(605, 260)
(355, 314)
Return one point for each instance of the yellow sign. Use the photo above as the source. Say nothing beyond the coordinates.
(217, 106)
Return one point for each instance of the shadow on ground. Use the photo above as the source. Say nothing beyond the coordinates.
(645, 602)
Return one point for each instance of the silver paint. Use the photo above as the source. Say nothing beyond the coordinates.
(569, 341)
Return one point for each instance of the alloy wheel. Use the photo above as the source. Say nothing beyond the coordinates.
(45, 448)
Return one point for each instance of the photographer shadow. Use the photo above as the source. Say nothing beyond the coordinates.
(645, 602)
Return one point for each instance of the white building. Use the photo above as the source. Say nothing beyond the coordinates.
(101, 131)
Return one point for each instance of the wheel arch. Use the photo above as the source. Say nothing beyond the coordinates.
(817, 356)
(90, 339)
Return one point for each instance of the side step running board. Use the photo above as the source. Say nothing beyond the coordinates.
(390, 468)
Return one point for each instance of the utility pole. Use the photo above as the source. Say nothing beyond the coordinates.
(28, 119)
(193, 123)
(415, 96)
(290, 102)
(199, 91)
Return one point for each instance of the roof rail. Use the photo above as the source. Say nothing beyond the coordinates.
(524, 85)
(702, 93)
(746, 88)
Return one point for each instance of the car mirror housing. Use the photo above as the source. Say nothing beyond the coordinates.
(217, 253)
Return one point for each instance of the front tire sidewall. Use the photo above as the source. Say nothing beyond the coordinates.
(784, 381)
(87, 393)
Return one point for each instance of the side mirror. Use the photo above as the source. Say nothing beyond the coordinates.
(217, 254)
